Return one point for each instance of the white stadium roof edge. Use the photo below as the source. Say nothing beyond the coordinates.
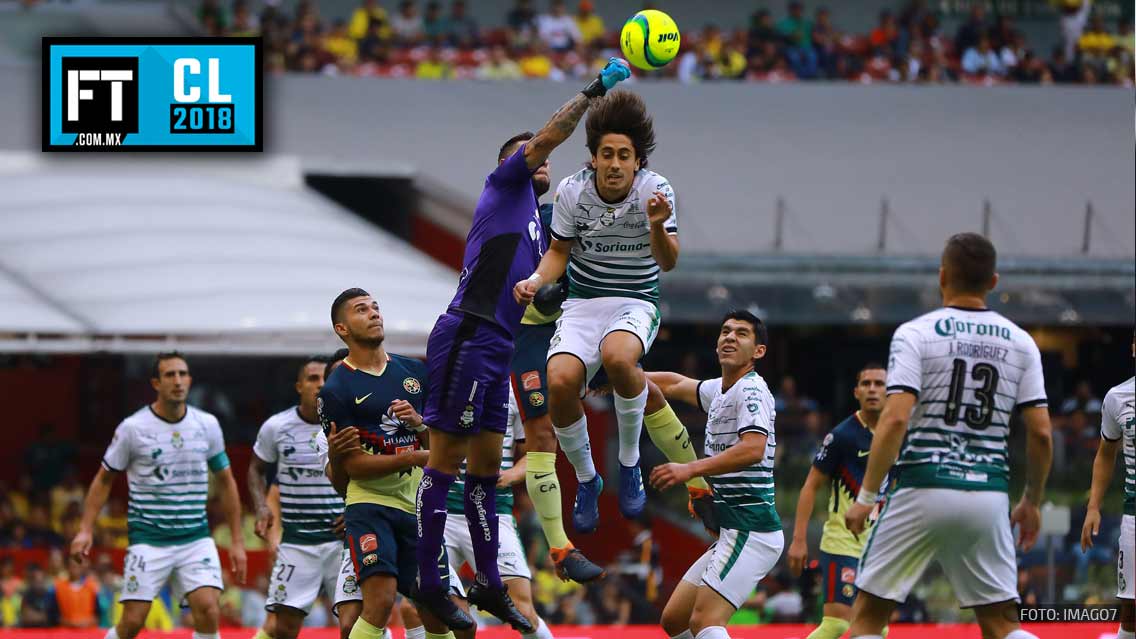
(209, 255)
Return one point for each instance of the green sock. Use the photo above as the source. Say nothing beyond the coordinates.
(429, 635)
(364, 630)
(261, 634)
(670, 437)
(544, 491)
(830, 628)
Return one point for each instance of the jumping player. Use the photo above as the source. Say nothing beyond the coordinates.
(740, 446)
(379, 394)
(168, 530)
(955, 374)
(840, 463)
(613, 229)
(1118, 430)
(469, 352)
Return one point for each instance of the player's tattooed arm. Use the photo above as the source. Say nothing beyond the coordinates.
(556, 131)
(258, 488)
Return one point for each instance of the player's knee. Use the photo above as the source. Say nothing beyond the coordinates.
(563, 382)
(207, 616)
(655, 398)
(619, 364)
(377, 613)
(288, 624)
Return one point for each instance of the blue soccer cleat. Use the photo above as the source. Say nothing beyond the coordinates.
(586, 510)
(632, 497)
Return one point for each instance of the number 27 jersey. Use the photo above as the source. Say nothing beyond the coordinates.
(968, 369)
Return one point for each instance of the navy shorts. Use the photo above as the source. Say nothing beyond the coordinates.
(468, 363)
(530, 369)
(839, 573)
(382, 541)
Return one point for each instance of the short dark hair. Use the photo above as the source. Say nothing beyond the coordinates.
(870, 366)
(760, 333)
(342, 299)
(625, 113)
(155, 371)
(971, 261)
(311, 359)
(337, 357)
(506, 148)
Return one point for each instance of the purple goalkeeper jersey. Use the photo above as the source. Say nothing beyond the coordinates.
(503, 247)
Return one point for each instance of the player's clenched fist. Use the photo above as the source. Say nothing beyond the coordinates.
(856, 517)
(525, 290)
(798, 555)
(404, 412)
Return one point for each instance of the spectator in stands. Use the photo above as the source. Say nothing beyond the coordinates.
(522, 21)
(461, 29)
(825, 42)
(535, 62)
(1031, 70)
(1095, 42)
(110, 585)
(48, 457)
(885, 36)
(731, 63)
(970, 31)
(112, 524)
(434, 67)
(691, 67)
(789, 401)
(38, 608)
(40, 533)
(19, 498)
(1083, 399)
(341, 44)
(982, 60)
(589, 23)
(910, 19)
(375, 47)
(1012, 53)
(1074, 16)
(753, 611)
(76, 596)
(252, 603)
(245, 23)
(498, 66)
(1063, 70)
(364, 16)
(67, 493)
(797, 30)
(573, 610)
(786, 604)
(434, 25)
(557, 29)
(11, 587)
(212, 16)
(407, 25)
(611, 606)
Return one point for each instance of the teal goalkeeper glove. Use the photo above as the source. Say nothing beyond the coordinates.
(612, 74)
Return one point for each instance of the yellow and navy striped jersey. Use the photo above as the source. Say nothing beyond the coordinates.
(843, 456)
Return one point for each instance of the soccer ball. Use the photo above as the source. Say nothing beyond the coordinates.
(649, 39)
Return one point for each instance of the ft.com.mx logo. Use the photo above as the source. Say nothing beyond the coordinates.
(152, 94)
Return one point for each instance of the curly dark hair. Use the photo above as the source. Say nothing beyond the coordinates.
(625, 113)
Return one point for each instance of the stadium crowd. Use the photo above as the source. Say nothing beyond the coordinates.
(40, 512)
(429, 41)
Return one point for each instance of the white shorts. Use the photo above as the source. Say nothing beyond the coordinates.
(187, 566)
(346, 582)
(736, 561)
(299, 573)
(967, 532)
(510, 554)
(585, 323)
(1125, 558)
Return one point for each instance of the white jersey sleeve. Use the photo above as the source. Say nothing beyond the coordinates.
(659, 183)
(265, 446)
(321, 448)
(117, 457)
(708, 389)
(755, 410)
(905, 363)
(215, 440)
(1111, 427)
(564, 210)
(1031, 388)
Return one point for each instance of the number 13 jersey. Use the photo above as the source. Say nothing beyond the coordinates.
(968, 369)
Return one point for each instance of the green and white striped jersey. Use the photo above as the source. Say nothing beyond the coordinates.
(969, 368)
(743, 499)
(167, 467)
(514, 432)
(1118, 420)
(611, 256)
(308, 502)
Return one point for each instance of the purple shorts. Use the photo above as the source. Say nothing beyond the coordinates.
(468, 361)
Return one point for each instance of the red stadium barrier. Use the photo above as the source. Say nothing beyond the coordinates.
(772, 631)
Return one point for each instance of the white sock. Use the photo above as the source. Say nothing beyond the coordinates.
(629, 414)
(712, 632)
(111, 634)
(574, 441)
(685, 634)
(1121, 633)
(1022, 634)
(541, 632)
(417, 632)
(203, 635)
